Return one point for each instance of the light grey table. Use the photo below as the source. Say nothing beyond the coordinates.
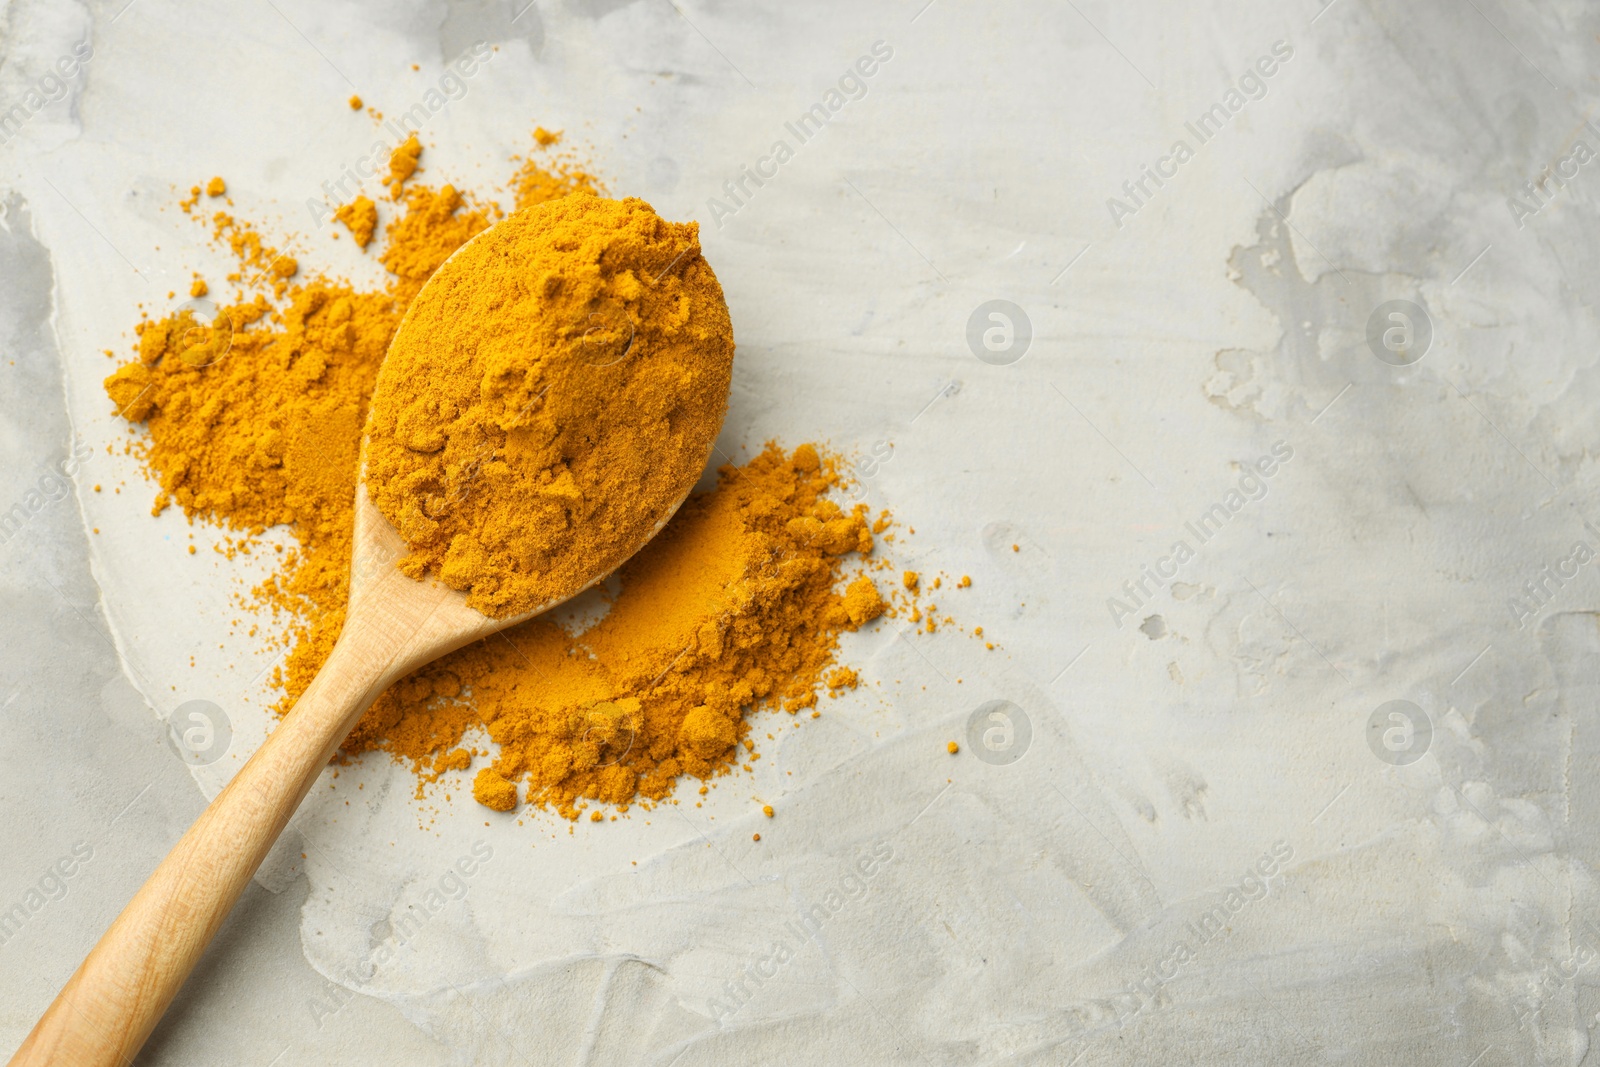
(1264, 333)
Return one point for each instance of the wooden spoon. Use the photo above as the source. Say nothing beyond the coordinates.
(108, 1007)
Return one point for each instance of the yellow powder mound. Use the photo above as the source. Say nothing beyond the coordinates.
(493, 791)
(555, 390)
(402, 165)
(360, 216)
(255, 420)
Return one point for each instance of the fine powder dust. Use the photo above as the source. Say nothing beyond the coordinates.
(551, 395)
(255, 420)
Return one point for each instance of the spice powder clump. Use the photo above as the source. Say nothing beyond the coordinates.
(552, 393)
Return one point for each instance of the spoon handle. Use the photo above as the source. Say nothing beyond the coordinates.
(108, 1007)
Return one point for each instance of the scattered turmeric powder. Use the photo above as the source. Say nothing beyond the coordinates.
(360, 217)
(216, 187)
(493, 791)
(556, 384)
(551, 175)
(402, 165)
(733, 606)
(436, 222)
(863, 602)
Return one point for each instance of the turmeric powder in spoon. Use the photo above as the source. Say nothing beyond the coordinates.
(545, 394)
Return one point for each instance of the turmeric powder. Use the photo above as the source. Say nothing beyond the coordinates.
(360, 217)
(402, 165)
(553, 394)
(549, 174)
(735, 605)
